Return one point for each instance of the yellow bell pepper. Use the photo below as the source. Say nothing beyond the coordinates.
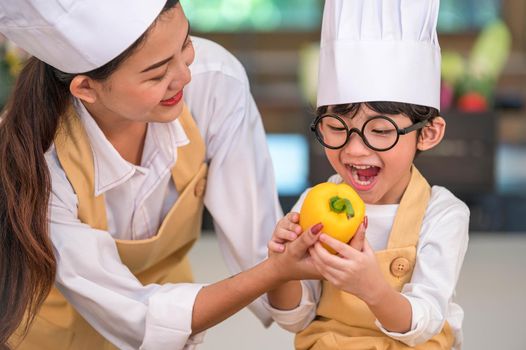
(337, 206)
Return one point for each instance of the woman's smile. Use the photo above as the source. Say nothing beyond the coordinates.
(172, 101)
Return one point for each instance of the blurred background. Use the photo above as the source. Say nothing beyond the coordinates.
(482, 159)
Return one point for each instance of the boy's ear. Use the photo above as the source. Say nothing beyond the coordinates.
(431, 134)
(83, 87)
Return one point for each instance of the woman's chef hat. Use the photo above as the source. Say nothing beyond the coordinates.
(76, 36)
(381, 50)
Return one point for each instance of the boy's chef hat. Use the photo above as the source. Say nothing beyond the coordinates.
(382, 50)
(76, 36)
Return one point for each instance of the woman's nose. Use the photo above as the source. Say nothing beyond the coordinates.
(181, 76)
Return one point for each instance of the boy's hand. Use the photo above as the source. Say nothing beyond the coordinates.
(286, 230)
(353, 269)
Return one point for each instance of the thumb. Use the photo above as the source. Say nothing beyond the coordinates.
(357, 242)
(307, 239)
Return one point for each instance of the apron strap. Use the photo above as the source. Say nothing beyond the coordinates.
(186, 166)
(406, 228)
(76, 158)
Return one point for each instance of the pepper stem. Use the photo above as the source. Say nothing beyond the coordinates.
(340, 205)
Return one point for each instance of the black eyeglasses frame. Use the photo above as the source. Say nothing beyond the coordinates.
(404, 131)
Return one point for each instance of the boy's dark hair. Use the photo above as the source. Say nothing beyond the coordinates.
(416, 113)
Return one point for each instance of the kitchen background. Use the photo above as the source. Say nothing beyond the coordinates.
(482, 159)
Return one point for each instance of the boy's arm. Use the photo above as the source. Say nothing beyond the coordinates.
(293, 303)
(441, 251)
(286, 297)
(391, 309)
(297, 318)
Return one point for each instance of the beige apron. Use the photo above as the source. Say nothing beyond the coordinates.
(159, 259)
(344, 321)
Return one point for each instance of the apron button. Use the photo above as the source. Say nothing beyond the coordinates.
(400, 267)
(200, 187)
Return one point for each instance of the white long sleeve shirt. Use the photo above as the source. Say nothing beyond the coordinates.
(241, 197)
(440, 252)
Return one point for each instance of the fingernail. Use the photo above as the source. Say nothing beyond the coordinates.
(316, 228)
(365, 222)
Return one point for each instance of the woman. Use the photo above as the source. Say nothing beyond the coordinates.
(98, 128)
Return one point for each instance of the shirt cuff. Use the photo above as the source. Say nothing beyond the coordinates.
(419, 323)
(169, 317)
(260, 310)
(294, 320)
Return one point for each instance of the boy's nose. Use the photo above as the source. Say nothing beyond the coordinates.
(356, 146)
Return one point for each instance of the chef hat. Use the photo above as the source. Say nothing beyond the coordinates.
(76, 36)
(382, 50)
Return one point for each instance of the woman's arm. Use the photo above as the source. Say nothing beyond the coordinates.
(220, 300)
(241, 193)
(131, 315)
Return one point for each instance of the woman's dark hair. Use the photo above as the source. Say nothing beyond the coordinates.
(416, 113)
(28, 126)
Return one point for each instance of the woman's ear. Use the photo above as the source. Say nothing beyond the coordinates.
(431, 134)
(83, 88)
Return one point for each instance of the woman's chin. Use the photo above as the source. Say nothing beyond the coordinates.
(167, 116)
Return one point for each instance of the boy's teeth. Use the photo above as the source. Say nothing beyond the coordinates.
(364, 181)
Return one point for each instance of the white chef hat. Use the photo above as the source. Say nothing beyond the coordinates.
(76, 36)
(382, 50)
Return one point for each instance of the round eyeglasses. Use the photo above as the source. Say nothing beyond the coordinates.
(380, 133)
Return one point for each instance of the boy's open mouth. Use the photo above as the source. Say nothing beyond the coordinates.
(363, 176)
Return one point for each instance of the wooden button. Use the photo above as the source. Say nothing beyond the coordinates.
(400, 266)
(200, 187)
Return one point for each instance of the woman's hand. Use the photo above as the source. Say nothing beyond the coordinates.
(295, 262)
(286, 230)
(217, 301)
(353, 268)
(292, 265)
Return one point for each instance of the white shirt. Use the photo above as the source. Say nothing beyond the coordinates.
(440, 252)
(241, 197)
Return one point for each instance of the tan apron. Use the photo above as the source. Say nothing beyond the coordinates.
(159, 259)
(344, 321)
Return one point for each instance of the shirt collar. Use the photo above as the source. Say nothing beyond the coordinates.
(162, 141)
(111, 169)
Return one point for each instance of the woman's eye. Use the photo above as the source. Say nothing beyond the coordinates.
(160, 77)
